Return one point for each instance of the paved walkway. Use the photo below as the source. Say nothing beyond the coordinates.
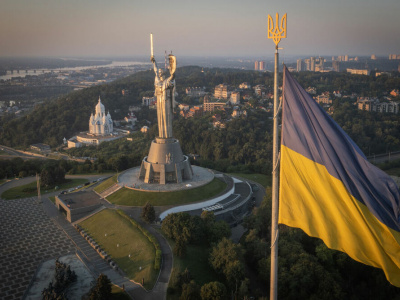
(28, 237)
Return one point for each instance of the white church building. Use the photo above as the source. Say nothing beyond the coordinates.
(101, 129)
(100, 123)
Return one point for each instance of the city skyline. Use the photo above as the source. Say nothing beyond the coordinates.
(219, 28)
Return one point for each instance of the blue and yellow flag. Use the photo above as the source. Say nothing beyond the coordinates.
(330, 190)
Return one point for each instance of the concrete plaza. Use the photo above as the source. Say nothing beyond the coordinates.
(130, 179)
(28, 237)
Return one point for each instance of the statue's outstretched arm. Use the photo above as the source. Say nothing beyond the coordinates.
(172, 67)
(153, 60)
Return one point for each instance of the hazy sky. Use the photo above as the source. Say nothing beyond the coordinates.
(198, 28)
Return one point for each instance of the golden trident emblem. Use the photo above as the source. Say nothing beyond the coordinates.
(277, 32)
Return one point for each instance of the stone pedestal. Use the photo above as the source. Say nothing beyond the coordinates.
(165, 163)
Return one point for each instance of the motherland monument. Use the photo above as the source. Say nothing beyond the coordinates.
(165, 162)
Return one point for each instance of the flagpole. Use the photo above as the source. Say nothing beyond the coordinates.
(275, 187)
(276, 34)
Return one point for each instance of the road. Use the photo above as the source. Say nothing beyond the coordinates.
(382, 158)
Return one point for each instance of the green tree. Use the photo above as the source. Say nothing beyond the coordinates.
(148, 213)
(227, 258)
(215, 230)
(178, 225)
(213, 291)
(180, 247)
(190, 291)
(51, 175)
(102, 289)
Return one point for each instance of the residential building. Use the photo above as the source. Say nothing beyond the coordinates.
(235, 98)
(244, 86)
(336, 65)
(195, 91)
(221, 91)
(211, 106)
(237, 112)
(311, 90)
(195, 111)
(323, 98)
(260, 90)
(40, 147)
(312, 64)
(184, 107)
(300, 65)
(373, 104)
(359, 71)
(256, 65)
(148, 101)
(395, 93)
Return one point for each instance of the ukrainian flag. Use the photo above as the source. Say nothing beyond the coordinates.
(330, 190)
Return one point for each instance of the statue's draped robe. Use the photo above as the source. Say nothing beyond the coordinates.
(164, 92)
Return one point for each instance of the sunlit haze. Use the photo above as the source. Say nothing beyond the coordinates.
(196, 28)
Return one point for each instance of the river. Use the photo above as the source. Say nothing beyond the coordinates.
(114, 64)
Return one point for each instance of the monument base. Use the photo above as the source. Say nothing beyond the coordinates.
(165, 163)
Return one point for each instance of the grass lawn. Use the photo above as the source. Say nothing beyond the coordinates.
(264, 180)
(106, 184)
(110, 229)
(130, 197)
(30, 189)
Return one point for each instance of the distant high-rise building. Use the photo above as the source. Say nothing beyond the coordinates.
(312, 61)
(307, 64)
(256, 65)
(373, 56)
(262, 66)
(300, 65)
(336, 66)
(319, 66)
(346, 58)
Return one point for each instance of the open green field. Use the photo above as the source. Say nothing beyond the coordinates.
(106, 184)
(262, 179)
(130, 197)
(119, 238)
(30, 189)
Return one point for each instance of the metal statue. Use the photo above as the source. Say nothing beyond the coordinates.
(164, 91)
